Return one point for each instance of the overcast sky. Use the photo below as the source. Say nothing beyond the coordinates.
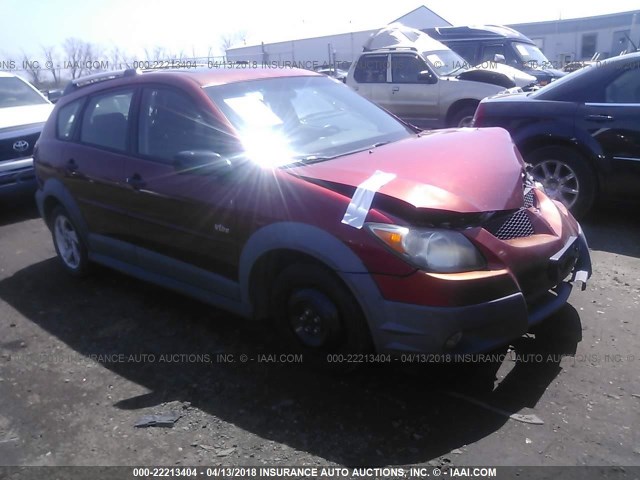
(198, 24)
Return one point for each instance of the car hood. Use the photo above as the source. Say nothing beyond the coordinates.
(518, 77)
(466, 170)
(24, 115)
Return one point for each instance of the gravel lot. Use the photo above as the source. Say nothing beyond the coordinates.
(81, 361)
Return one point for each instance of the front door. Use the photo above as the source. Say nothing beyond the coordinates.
(186, 215)
(415, 100)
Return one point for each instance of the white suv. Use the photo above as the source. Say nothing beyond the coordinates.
(424, 82)
(23, 111)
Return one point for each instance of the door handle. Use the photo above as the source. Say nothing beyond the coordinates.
(599, 118)
(135, 181)
(394, 90)
(72, 166)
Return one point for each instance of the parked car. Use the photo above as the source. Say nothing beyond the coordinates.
(283, 194)
(420, 80)
(489, 43)
(581, 133)
(23, 111)
(338, 73)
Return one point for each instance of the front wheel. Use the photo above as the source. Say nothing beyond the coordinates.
(69, 246)
(566, 177)
(463, 117)
(317, 315)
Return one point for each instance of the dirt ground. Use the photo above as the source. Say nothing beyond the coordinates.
(81, 361)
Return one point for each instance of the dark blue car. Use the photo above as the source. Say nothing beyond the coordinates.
(581, 133)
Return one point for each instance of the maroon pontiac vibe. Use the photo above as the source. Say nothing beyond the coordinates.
(283, 196)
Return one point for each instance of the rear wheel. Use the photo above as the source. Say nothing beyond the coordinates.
(566, 177)
(69, 246)
(317, 315)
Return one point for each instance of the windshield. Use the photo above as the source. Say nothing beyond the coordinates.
(285, 120)
(445, 62)
(16, 93)
(530, 55)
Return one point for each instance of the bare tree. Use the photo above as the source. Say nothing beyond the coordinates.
(52, 63)
(228, 40)
(80, 56)
(73, 49)
(32, 68)
(118, 59)
(209, 53)
(157, 54)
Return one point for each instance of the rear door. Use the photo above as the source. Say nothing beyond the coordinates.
(370, 78)
(186, 216)
(94, 156)
(614, 122)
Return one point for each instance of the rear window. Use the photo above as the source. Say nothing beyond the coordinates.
(67, 119)
(371, 69)
(106, 120)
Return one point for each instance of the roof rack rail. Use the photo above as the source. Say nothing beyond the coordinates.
(77, 83)
(173, 65)
(399, 47)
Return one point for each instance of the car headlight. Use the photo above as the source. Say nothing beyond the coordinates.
(430, 249)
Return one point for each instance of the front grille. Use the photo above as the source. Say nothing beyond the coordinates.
(7, 151)
(529, 198)
(515, 225)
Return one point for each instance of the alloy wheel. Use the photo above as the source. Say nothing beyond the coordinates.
(559, 180)
(67, 242)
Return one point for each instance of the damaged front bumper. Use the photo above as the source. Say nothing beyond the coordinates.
(403, 327)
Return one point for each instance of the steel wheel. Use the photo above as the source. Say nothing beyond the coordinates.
(316, 315)
(314, 318)
(559, 180)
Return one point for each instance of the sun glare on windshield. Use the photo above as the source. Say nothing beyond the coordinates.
(281, 121)
(261, 134)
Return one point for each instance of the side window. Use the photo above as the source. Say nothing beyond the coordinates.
(371, 69)
(626, 87)
(67, 119)
(489, 52)
(468, 51)
(171, 123)
(405, 68)
(106, 120)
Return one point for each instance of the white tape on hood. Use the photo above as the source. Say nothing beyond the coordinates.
(363, 197)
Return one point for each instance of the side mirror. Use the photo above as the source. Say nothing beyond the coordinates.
(201, 162)
(499, 58)
(54, 95)
(425, 76)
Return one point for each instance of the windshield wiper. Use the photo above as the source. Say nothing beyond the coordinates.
(314, 157)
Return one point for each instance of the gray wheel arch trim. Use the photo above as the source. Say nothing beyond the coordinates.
(55, 188)
(326, 248)
(302, 238)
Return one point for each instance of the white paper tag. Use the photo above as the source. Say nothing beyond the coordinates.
(363, 197)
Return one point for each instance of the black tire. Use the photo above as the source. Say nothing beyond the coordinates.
(70, 247)
(584, 181)
(463, 116)
(304, 288)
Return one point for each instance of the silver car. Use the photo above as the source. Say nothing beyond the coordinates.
(422, 81)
